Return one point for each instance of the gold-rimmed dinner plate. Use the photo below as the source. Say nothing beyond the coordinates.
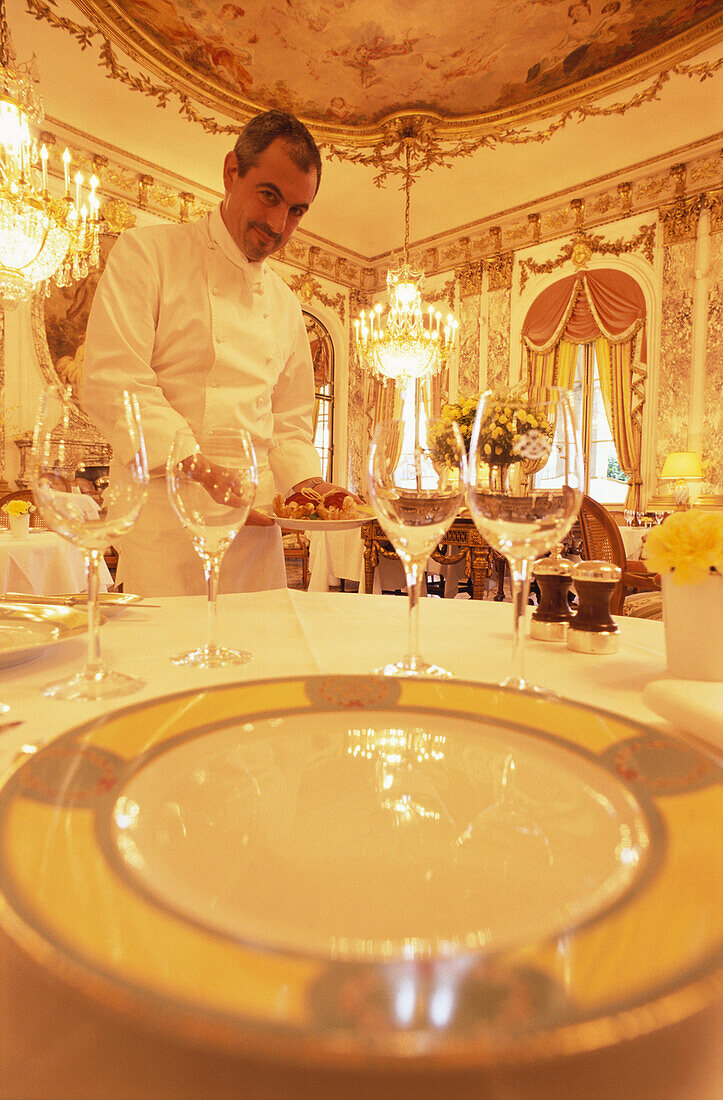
(372, 868)
(107, 601)
(28, 629)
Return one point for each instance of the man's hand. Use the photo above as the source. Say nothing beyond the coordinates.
(226, 486)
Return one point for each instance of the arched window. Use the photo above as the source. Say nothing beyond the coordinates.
(586, 333)
(322, 357)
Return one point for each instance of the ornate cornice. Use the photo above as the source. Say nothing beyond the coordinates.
(583, 246)
(125, 190)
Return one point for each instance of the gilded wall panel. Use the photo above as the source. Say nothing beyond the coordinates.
(357, 429)
(713, 412)
(675, 350)
(469, 351)
(498, 345)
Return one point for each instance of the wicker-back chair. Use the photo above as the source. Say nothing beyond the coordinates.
(602, 541)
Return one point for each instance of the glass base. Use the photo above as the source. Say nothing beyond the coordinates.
(212, 656)
(413, 668)
(525, 685)
(103, 684)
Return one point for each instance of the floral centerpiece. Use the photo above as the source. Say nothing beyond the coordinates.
(687, 550)
(507, 434)
(688, 545)
(18, 508)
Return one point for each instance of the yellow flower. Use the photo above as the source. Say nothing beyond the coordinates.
(18, 507)
(487, 449)
(687, 544)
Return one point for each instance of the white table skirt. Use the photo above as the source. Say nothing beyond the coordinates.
(334, 556)
(44, 564)
(54, 1043)
(633, 538)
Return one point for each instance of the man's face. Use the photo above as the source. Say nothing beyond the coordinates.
(263, 208)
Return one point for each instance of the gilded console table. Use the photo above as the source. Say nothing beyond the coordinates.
(461, 541)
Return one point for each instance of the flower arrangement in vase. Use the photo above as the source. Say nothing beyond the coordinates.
(508, 435)
(18, 512)
(686, 549)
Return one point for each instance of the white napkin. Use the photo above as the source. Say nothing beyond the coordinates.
(693, 705)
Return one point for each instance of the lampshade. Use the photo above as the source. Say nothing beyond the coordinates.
(682, 464)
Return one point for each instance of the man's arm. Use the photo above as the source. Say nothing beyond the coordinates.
(119, 347)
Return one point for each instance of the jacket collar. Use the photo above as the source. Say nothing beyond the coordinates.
(223, 240)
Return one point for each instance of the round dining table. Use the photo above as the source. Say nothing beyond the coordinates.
(44, 564)
(61, 1040)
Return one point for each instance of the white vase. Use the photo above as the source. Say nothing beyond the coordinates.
(20, 526)
(693, 619)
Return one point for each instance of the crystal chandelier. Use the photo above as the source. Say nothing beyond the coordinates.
(408, 343)
(40, 237)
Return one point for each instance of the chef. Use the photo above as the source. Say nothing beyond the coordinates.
(191, 319)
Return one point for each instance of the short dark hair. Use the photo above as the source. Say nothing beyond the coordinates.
(270, 126)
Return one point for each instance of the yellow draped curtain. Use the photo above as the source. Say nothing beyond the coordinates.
(607, 308)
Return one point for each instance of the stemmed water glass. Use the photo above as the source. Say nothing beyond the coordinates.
(64, 513)
(212, 479)
(415, 492)
(525, 487)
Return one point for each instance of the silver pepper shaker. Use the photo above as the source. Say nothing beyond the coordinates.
(593, 629)
(549, 620)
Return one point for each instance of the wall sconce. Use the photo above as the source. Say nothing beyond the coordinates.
(682, 467)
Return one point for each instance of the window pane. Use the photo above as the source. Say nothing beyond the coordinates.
(322, 357)
(606, 481)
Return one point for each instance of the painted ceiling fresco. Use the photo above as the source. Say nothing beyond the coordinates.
(351, 63)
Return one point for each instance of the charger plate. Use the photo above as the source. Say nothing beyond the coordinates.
(27, 629)
(368, 869)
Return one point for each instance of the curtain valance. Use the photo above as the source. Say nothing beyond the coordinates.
(582, 307)
(605, 307)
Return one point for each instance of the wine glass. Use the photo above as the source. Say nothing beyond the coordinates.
(525, 487)
(416, 491)
(65, 513)
(212, 479)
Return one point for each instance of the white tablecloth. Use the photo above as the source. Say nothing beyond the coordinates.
(633, 540)
(45, 564)
(54, 1044)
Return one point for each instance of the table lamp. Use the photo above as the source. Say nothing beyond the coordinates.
(681, 467)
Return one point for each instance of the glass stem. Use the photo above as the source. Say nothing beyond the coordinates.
(520, 575)
(414, 590)
(93, 662)
(211, 566)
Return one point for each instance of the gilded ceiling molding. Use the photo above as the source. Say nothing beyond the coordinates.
(430, 140)
(308, 289)
(680, 221)
(584, 245)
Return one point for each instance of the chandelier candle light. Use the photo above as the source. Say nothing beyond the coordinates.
(409, 343)
(41, 237)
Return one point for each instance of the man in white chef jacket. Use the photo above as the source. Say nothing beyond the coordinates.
(192, 320)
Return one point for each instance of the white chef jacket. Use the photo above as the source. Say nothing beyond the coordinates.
(204, 338)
